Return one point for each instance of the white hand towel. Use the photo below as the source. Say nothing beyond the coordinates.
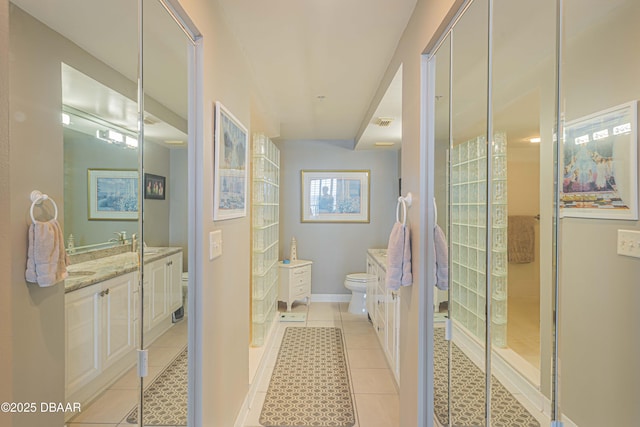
(399, 257)
(46, 256)
(442, 258)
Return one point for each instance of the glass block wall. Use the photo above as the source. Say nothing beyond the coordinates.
(265, 235)
(468, 236)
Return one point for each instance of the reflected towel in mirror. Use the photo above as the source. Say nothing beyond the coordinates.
(521, 239)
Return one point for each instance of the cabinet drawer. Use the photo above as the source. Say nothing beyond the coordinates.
(304, 288)
(302, 274)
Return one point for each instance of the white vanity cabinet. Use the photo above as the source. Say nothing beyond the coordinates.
(383, 306)
(295, 282)
(102, 329)
(98, 329)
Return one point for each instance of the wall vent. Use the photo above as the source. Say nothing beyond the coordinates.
(384, 121)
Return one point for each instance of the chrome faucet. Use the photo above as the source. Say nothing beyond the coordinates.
(122, 237)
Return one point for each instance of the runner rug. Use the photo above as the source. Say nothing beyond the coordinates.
(468, 392)
(310, 382)
(165, 400)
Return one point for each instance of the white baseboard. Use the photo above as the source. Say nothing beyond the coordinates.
(330, 297)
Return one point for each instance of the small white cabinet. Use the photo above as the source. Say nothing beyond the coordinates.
(295, 282)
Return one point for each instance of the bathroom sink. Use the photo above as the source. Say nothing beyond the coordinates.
(80, 273)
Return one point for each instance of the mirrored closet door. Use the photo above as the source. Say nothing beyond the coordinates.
(118, 121)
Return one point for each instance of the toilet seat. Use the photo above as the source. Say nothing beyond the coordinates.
(360, 277)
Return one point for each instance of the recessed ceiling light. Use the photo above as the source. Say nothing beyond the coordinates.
(384, 144)
(535, 140)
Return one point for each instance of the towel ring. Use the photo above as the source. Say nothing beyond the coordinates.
(38, 197)
(404, 201)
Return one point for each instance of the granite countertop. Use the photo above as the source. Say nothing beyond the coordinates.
(87, 273)
(380, 256)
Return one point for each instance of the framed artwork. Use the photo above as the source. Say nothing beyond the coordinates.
(599, 165)
(154, 186)
(230, 166)
(113, 194)
(335, 195)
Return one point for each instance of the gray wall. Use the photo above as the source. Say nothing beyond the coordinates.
(82, 152)
(6, 291)
(37, 342)
(178, 186)
(336, 249)
(156, 212)
(600, 292)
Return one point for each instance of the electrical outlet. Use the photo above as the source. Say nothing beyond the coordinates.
(629, 243)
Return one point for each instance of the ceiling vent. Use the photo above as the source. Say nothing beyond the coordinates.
(384, 122)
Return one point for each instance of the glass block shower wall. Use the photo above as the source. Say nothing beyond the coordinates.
(468, 236)
(265, 235)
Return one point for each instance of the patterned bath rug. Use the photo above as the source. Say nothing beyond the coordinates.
(310, 381)
(293, 317)
(468, 392)
(165, 399)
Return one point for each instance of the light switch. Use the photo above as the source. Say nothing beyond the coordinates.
(629, 243)
(215, 244)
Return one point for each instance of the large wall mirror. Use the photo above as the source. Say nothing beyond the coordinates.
(493, 110)
(125, 194)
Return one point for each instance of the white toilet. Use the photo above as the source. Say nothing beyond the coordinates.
(357, 284)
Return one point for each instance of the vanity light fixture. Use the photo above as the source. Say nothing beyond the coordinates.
(130, 141)
(384, 144)
(115, 136)
(174, 142)
(534, 140)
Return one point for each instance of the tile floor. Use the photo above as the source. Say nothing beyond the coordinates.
(523, 331)
(113, 406)
(375, 395)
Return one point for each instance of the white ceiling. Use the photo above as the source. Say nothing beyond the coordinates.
(302, 50)
(318, 63)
